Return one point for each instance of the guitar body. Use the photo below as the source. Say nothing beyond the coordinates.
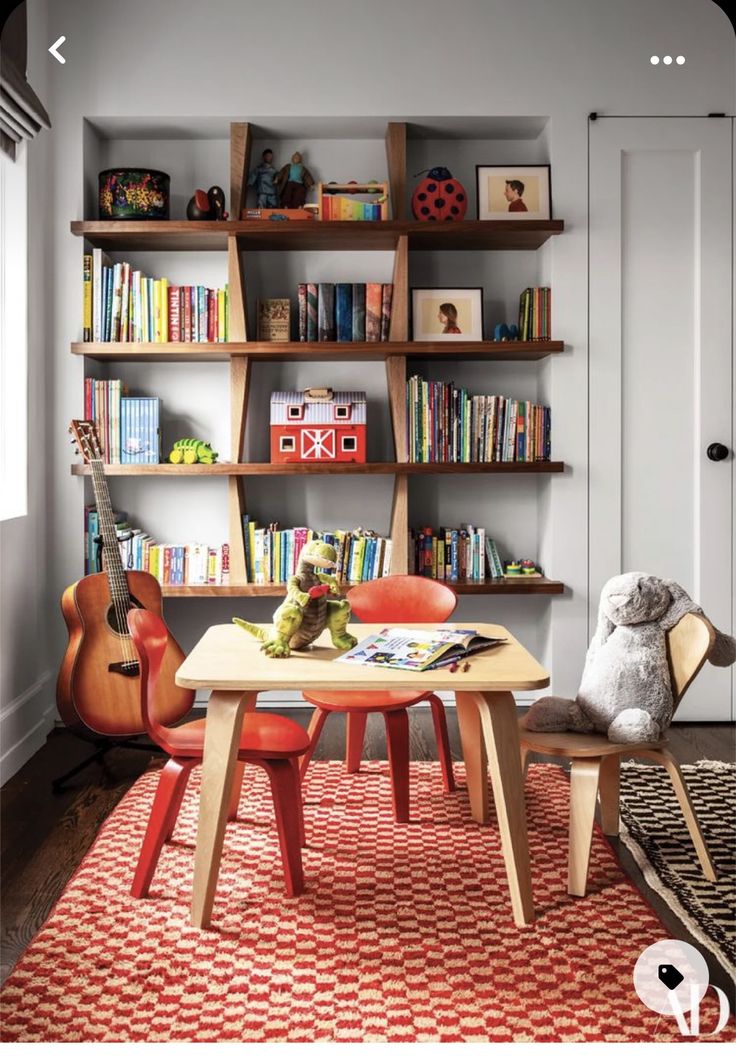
(94, 697)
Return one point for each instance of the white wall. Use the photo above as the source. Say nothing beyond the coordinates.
(403, 60)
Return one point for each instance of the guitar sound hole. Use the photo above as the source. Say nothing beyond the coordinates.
(117, 618)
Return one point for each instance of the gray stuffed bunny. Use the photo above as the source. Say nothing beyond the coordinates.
(625, 691)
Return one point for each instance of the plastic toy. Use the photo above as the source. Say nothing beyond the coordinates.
(318, 425)
(439, 196)
(306, 611)
(506, 332)
(190, 450)
(207, 205)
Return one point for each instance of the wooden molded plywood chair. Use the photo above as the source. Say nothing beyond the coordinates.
(595, 760)
(272, 742)
(391, 600)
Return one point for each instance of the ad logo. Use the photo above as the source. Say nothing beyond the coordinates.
(671, 978)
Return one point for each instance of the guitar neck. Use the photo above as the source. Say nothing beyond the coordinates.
(112, 561)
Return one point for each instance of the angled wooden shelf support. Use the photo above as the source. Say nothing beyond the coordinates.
(240, 143)
(239, 386)
(396, 160)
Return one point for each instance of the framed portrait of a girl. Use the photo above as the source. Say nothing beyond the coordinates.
(447, 313)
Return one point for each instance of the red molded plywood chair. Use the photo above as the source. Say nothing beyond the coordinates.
(389, 600)
(272, 742)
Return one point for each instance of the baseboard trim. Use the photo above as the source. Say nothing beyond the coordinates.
(24, 725)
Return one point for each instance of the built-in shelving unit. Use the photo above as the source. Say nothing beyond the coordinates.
(400, 236)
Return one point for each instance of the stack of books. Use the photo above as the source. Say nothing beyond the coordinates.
(173, 564)
(128, 427)
(272, 554)
(344, 311)
(452, 554)
(446, 424)
(535, 307)
(120, 303)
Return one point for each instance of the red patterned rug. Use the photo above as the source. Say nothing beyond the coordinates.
(404, 933)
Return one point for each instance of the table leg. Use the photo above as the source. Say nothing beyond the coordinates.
(222, 734)
(501, 735)
(474, 755)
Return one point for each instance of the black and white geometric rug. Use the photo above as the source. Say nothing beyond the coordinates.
(654, 831)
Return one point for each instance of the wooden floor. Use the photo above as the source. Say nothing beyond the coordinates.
(45, 835)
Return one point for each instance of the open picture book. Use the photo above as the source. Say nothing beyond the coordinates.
(419, 649)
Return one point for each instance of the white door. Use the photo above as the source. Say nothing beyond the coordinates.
(661, 354)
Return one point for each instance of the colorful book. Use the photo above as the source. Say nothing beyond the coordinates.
(326, 312)
(302, 310)
(344, 311)
(387, 290)
(358, 311)
(373, 309)
(312, 312)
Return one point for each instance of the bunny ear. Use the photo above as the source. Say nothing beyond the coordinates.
(605, 625)
(681, 604)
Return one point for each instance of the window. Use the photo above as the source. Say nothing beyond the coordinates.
(342, 412)
(287, 444)
(13, 336)
(349, 443)
(294, 411)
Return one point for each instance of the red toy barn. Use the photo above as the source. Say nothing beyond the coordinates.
(318, 425)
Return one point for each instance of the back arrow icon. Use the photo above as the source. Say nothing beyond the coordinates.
(53, 49)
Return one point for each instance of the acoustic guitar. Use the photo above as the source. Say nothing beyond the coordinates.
(98, 689)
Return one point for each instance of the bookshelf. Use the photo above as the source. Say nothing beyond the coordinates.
(399, 235)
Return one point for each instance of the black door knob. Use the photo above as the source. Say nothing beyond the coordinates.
(717, 452)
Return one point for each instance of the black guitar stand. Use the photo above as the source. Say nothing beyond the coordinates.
(102, 747)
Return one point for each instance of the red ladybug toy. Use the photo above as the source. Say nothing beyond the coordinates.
(439, 196)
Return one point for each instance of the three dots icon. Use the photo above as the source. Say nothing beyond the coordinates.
(667, 60)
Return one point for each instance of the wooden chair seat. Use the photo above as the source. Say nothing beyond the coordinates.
(595, 761)
(575, 746)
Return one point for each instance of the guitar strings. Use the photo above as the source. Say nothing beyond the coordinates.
(118, 588)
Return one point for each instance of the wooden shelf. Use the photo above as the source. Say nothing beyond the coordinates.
(316, 234)
(292, 469)
(510, 585)
(307, 352)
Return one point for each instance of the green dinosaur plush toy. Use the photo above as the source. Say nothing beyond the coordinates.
(306, 610)
(190, 450)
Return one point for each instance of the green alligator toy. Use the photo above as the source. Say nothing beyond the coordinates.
(306, 611)
(190, 450)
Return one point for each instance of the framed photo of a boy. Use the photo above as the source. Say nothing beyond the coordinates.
(447, 313)
(514, 192)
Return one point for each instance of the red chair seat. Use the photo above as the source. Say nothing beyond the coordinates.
(363, 701)
(263, 735)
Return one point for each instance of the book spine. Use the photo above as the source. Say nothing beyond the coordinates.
(344, 311)
(312, 310)
(373, 306)
(87, 297)
(302, 310)
(174, 314)
(358, 311)
(387, 291)
(327, 312)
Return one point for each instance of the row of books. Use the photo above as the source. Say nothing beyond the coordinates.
(128, 427)
(173, 564)
(272, 554)
(120, 303)
(451, 554)
(535, 314)
(446, 424)
(345, 207)
(344, 311)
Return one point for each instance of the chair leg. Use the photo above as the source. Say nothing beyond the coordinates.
(583, 795)
(665, 757)
(235, 790)
(286, 798)
(300, 803)
(166, 804)
(314, 730)
(524, 760)
(397, 738)
(608, 791)
(354, 735)
(443, 741)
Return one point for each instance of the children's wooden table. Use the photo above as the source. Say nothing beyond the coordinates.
(230, 664)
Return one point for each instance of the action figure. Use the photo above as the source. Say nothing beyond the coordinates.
(262, 179)
(293, 182)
